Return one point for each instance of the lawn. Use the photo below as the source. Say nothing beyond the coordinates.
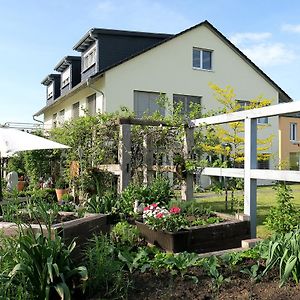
(266, 198)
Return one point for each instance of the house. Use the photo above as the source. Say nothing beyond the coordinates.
(126, 68)
(289, 142)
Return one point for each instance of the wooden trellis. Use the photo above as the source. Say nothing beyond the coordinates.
(123, 168)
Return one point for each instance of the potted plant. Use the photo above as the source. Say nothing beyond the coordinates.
(60, 188)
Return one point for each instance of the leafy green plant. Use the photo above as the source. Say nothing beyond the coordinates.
(284, 253)
(46, 265)
(285, 217)
(107, 277)
(211, 265)
(254, 275)
(134, 260)
(124, 234)
(102, 204)
(61, 183)
(170, 223)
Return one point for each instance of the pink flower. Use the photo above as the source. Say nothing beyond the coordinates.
(174, 210)
(146, 208)
(159, 215)
(153, 205)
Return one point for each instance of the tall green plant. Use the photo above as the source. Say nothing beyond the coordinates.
(285, 217)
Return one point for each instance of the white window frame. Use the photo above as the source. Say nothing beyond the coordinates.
(201, 51)
(54, 120)
(65, 77)
(76, 109)
(50, 89)
(244, 103)
(293, 132)
(61, 116)
(89, 58)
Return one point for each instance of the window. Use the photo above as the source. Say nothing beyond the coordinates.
(50, 91)
(294, 161)
(91, 105)
(146, 103)
(263, 164)
(187, 102)
(202, 59)
(89, 58)
(65, 77)
(293, 132)
(244, 105)
(75, 110)
(61, 116)
(264, 120)
(54, 121)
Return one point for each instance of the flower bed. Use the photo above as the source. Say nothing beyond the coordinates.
(159, 222)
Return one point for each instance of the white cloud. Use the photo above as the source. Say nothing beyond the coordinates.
(269, 54)
(260, 48)
(291, 28)
(106, 7)
(250, 37)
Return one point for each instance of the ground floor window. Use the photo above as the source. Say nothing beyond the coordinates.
(146, 103)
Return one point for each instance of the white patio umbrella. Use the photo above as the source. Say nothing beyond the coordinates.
(14, 140)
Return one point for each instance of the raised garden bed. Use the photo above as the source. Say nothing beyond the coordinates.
(80, 229)
(200, 239)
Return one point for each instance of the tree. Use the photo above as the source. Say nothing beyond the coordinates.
(227, 141)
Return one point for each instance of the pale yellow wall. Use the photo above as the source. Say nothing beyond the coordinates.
(286, 146)
(79, 96)
(168, 69)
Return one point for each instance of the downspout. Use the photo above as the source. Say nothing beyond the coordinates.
(88, 83)
(39, 121)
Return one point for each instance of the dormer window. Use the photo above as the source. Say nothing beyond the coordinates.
(50, 90)
(65, 77)
(89, 58)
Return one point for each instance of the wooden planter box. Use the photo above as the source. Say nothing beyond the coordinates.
(200, 239)
(81, 229)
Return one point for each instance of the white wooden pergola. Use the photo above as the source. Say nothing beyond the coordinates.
(250, 173)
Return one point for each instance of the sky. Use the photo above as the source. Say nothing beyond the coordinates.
(35, 35)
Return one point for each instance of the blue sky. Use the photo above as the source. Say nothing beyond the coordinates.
(35, 35)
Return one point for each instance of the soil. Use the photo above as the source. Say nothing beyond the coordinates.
(149, 286)
(58, 219)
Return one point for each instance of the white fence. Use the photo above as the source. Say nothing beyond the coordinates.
(250, 173)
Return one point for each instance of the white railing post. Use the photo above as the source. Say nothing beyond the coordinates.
(250, 185)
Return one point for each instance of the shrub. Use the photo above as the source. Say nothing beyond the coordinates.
(284, 217)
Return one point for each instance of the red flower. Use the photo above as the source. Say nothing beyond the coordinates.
(146, 208)
(159, 215)
(154, 205)
(174, 210)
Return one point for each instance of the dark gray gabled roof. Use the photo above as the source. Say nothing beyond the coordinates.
(284, 97)
(49, 78)
(65, 62)
(93, 33)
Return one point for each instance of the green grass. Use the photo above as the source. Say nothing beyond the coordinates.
(266, 198)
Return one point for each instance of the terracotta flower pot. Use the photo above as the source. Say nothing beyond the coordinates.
(20, 185)
(60, 193)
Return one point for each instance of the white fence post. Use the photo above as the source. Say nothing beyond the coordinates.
(250, 184)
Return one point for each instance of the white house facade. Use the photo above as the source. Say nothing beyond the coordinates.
(180, 66)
